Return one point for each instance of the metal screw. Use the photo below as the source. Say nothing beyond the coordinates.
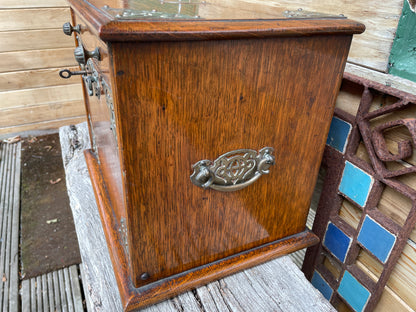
(144, 276)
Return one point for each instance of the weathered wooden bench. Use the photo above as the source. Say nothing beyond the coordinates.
(277, 285)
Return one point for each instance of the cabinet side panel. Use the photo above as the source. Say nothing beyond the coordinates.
(183, 102)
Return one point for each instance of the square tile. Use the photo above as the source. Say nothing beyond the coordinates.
(338, 135)
(337, 242)
(319, 283)
(376, 239)
(356, 184)
(355, 294)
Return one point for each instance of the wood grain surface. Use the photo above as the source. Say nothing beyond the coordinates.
(196, 92)
(190, 101)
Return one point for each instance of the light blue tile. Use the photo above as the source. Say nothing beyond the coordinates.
(376, 239)
(353, 292)
(319, 283)
(337, 242)
(339, 132)
(356, 184)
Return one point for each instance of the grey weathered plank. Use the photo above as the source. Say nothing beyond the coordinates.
(274, 286)
(49, 277)
(56, 291)
(25, 299)
(9, 225)
(68, 290)
(45, 298)
(56, 296)
(32, 295)
(39, 301)
(76, 289)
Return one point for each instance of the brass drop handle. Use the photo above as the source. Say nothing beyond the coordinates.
(68, 29)
(82, 55)
(234, 170)
(66, 73)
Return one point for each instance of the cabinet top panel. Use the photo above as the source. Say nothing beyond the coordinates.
(205, 19)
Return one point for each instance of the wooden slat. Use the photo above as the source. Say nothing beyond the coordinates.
(36, 59)
(49, 278)
(389, 301)
(68, 290)
(45, 299)
(385, 79)
(76, 290)
(370, 49)
(9, 224)
(17, 4)
(30, 19)
(39, 301)
(54, 124)
(34, 40)
(26, 299)
(28, 97)
(403, 279)
(38, 113)
(35, 78)
(52, 292)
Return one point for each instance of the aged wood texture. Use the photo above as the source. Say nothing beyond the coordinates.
(32, 51)
(29, 97)
(371, 49)
(24, 40)
(54, 291)
(30, 19)
(9, 221)
(19, 4)
(36, 59)
(171, 94)
(33, 79)
(185, 91)
(274, 286)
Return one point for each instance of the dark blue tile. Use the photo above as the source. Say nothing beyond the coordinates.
(356, 184)
(319, 283)
(355, 294)
(338, 134)
(376, 239)
(337, 242)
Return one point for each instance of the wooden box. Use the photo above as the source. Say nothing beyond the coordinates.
(208, 121)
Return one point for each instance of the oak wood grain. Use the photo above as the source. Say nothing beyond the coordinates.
(187, 91)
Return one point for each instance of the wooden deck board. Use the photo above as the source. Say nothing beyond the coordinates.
(274, 286)
(9, 222)
(56, 291)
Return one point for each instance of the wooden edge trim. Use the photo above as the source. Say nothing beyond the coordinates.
(220, 30)
(133, 298)
(109, 29)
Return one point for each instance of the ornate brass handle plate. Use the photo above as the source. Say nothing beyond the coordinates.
(234, 170)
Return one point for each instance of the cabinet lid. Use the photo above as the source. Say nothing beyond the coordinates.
(153, 20)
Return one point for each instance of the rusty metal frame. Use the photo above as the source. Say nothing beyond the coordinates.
(331, 199)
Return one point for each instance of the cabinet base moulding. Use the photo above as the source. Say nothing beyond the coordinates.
(134, 298)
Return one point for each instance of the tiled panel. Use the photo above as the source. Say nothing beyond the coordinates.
(355, 294)
(337, 242)
(356, 184)
(376, 239)
(338, 134)
(319, 283)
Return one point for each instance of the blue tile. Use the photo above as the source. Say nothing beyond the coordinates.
(319, 283)
(353, 292)
(376, 239)
(339, 132)
(337, 242)
(356, 184)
